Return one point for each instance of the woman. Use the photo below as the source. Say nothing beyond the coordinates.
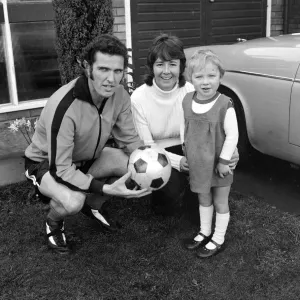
(157, 108)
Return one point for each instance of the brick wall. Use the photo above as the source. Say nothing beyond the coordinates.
(119, 22)
(277, 16)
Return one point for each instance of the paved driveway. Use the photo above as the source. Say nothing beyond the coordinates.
(271, 179)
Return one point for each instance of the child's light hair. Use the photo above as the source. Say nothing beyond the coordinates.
(199, 60)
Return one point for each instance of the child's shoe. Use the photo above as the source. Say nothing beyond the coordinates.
(205, 253)
(192, 244)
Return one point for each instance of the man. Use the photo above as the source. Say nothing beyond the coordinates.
(67, 156)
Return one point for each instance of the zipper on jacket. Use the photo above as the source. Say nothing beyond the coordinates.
(100, 110)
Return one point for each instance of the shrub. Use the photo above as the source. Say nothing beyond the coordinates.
(77, 23)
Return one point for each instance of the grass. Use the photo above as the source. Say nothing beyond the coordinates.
(146, 260)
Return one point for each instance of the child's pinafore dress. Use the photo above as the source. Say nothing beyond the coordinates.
(204, 137)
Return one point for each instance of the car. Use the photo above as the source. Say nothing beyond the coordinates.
(263, 80)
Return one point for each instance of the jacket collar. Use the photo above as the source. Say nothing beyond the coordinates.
(81, 90)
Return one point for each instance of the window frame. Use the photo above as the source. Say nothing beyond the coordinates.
(20, 12)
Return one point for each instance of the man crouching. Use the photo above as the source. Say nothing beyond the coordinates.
(67, 159)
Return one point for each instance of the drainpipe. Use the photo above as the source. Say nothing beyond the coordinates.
(268, 21)
(128, 36)
(285, 17)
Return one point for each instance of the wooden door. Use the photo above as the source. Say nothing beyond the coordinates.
(152, 17)
(229, 20)
(195, 22)
(293, 16)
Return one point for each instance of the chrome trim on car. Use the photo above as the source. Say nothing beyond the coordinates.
(263, 75)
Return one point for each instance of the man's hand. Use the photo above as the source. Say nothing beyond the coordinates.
(223, 170)
(234, 159)
(118, 188)
(184, 166)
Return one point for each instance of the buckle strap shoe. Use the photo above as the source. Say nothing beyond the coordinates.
(191, 244)
(205, 253)
(102, 217)
(56, 237)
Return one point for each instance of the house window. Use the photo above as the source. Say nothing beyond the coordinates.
(36, 67)
(28, 60)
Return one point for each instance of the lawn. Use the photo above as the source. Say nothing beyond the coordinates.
(146, 260)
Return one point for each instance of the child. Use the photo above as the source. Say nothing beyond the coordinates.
(210, 135)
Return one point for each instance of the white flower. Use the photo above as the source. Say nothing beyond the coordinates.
(28, 124)
(17, 123)
(24, 126)
(13, 127)
(22, 122)
(35, 123)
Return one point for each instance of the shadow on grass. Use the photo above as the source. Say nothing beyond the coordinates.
(146, 260)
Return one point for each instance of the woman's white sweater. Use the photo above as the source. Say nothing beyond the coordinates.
(157, 114)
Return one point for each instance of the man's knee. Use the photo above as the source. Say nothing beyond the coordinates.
(118, 162)
(112, 162)
(71, 201)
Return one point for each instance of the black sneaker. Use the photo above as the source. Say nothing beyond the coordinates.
(56, 237)
(102, 217)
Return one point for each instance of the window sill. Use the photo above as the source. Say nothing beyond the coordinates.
(4, 108)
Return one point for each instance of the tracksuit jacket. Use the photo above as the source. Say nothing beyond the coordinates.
(72, 130)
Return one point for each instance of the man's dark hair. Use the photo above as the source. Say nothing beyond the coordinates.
(166, 47)
(107, 44)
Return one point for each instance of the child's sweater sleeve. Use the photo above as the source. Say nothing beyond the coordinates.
(232, 136)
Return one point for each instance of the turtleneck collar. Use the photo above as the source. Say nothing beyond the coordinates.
(164, 94)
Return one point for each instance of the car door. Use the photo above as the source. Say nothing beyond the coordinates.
(294, 130)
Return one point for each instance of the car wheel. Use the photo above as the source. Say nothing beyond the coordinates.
(244, 146)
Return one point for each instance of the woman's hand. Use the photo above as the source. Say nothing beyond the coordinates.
(184, 166)
(234, 159)
(223, 170)
(118, 188)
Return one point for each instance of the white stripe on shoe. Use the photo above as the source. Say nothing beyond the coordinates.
(99, 216)
(51, 239)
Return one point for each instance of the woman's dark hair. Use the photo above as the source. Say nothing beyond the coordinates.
(107, 44)
(166, 47)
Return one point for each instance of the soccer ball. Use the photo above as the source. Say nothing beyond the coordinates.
(150, 167)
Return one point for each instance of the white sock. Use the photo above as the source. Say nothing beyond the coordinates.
(222, 221)
(206, 215)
